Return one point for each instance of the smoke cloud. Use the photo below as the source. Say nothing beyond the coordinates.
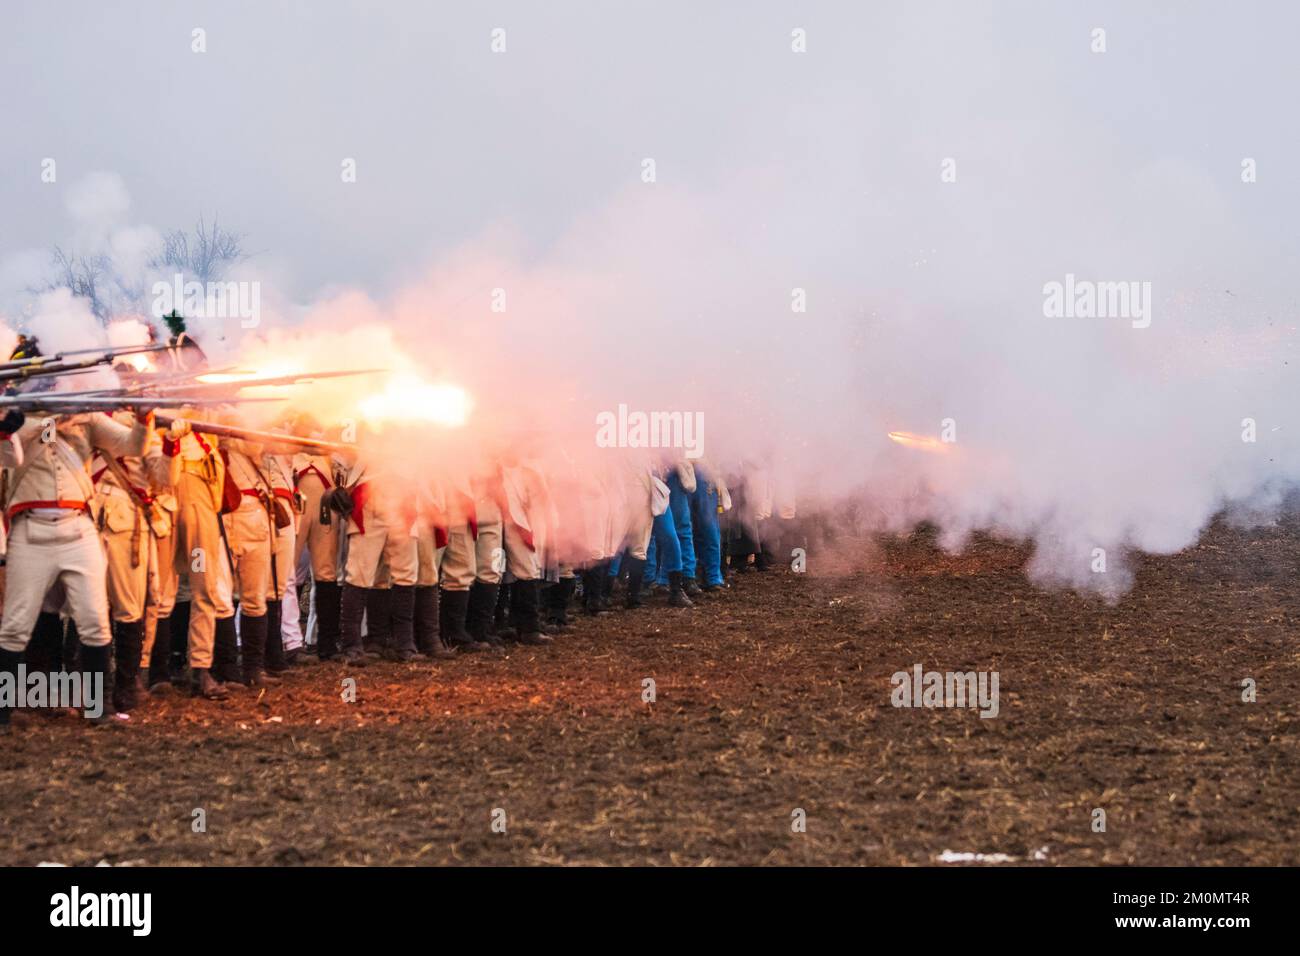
(838, 244)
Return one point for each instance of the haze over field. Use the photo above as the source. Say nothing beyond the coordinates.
(835, 243)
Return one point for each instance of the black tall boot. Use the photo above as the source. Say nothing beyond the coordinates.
(591, 590)
(225, 653)
(676, 596)
(9, 661)
(328, 607)
(160, 657)
(478, 617)
(94, 676)
(71, 648)
(403, 617)
(180, 659)
(500, 611)
(455, 606)
(606, 586)
(568, 587)
(128, 644)
(556, 601)
(523, 612)
(45, 650)
(352, 605)
(275, 662)
(635, 578)
(379, 620)
(428, 623)
(252, 638)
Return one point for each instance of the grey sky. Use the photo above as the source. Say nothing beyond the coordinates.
(451, 139)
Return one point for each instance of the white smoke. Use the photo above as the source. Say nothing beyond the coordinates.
(924, 297)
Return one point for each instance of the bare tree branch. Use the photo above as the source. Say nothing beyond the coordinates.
(205, 254)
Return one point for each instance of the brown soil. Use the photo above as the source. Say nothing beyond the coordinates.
(771, 697)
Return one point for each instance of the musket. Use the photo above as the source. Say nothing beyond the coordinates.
(159, 385)
(164, 387)
(48, 401)
(103, 355)
(265, 438)
(292, 379)
(60, 368)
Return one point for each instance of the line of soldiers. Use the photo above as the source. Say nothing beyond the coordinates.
(154, 543)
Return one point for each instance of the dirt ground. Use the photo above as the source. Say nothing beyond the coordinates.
(772, 697)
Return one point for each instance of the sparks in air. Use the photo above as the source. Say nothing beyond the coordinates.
(919, 442)
(410, 399)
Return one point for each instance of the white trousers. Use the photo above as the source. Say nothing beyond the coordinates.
(45, 553)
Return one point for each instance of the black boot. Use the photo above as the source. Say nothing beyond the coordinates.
(94, 676)
(591, 590)
(71, 648)
(225, 653)
(128, 644)
(328, 607)
(479, 611)
(556, 601)
(352, 606)
(160, 657)
(635, 578)
(606, 586)
(45, 650)
(676, 596)
(275, 662)
(9, 661)
(500, 611)
(455, 606)
(379, 621)
(403, 617)
(252, 637)
(178, 663)
(523, 612)
(428, 623)
(691, 586)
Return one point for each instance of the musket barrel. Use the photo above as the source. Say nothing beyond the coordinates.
(249, 434)
(103, 353)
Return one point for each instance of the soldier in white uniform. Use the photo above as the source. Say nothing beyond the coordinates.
(288, 508)
(53, 541)
(458, 566)
(528, 518)
(250, 532)
(381, 521)
(132, 522)
(318, 536)
(200, 557)
(430, 541)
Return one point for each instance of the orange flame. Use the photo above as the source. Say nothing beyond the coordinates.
(408, 398)
(920, 442)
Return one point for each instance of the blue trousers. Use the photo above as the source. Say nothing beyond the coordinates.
(708, 536)
(679, 506)
(678, 518)
(665, 550)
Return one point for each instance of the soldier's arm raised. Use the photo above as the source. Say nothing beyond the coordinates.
(118, 440)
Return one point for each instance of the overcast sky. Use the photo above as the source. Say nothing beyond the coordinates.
(451, 139)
